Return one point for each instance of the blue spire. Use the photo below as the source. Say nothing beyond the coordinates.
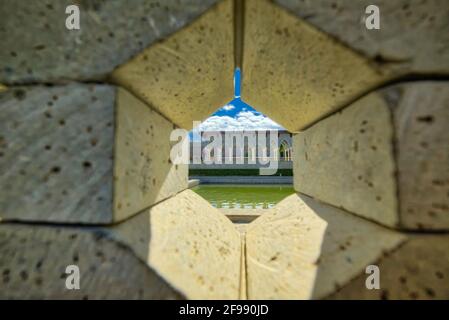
(237, 82)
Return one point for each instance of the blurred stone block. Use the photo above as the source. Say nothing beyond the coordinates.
(194, 246)
(412, 38)
(385, 157)
(180, 248)
(421, 120)
(82, 154)
(296, 74)
(304, 249)
(189, 75)
(418, 269)
(36, 46)
(34, 258)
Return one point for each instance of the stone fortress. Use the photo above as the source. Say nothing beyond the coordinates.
(86, 178)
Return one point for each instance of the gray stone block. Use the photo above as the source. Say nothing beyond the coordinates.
(180, 248)
(412, 38)
(417, 270)
(33, 265)
(421, 121)
(36, 46)
(385, 157)
(187, 76)
(82, 154)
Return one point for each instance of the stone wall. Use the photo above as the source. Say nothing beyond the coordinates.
(86, 175)
(371, 157)
(85, 168)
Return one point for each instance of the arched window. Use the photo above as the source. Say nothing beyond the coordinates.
(284, 151)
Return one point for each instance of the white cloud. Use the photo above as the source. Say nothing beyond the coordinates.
(228, 107)
(244, 120)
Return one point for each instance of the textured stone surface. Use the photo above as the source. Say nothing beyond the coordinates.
(190, 74)
(143, 171)
(303, 249)
(180, 248)
(296, 74)
(413, 35)
(65, 150)
(37, 47)
(421, 117)
(33, 261)
(416, 270)
(350, 159)
(192, 245)
(347, 160)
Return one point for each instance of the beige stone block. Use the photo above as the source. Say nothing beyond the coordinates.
(242, 216)
(192, 245)
(347, 160)
(82, 154)
(143, 171)
(384, 157)
(180, 248)
(304, 249)
(412, 37)
(243, 283)
(189, 75)
(296, 74)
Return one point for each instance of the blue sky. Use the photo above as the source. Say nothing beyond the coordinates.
(237, 115)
